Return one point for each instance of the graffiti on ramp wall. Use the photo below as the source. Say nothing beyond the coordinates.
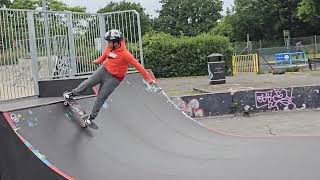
(191, 108)
(275, 99)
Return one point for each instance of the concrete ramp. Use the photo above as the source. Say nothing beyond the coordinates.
(142, 136)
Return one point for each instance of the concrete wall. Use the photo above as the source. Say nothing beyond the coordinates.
(252, 101)
(205, 105)
(56, 88)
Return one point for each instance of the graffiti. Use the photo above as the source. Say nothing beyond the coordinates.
(191, 108)
(30, 123)
(62, 66)
(210, 73)
(30, 112)
(16, 117)
(35, 151)
(19, 120)
(275, 99)
(38, 154)
(21, 76)
(68, 114)
(106, 104)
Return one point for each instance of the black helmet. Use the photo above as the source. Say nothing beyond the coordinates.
(113, 35)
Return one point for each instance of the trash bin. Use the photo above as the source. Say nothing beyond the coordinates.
(216, 69)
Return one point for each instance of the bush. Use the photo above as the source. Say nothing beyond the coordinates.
(292, 69)
(169, 56)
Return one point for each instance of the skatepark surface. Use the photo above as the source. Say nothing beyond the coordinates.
(182, 86)
(142, 135)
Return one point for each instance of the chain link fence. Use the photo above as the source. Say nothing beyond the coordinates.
(267, 50)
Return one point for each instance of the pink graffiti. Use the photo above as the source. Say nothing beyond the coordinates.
(191, 108)
(275, 99)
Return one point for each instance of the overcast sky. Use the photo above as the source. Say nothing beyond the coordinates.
(150, 5)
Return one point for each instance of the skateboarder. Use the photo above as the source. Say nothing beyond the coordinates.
(116, 59)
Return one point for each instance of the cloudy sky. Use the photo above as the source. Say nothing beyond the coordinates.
(150, 5)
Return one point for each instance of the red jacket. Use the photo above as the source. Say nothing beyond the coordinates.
(118, 61)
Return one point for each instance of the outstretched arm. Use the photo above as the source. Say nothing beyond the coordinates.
(134, 62)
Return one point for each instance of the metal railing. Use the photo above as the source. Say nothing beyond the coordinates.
(267, 50)
(245, 64)
(16, 78)
(37, 45)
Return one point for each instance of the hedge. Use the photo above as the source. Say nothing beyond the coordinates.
(170, 56)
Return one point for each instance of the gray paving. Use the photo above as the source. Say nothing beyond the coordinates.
(287, 123)
(187, 85)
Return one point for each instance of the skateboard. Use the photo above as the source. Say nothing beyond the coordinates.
(75, 107)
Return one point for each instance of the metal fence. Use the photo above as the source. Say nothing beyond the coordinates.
(37, 45)
(267, 61)
(266, 51)
(245, 64)
(16, 78)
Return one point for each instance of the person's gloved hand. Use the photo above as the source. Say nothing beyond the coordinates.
(155, 86)
(152, 83)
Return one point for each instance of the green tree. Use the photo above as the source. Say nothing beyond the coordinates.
(188, 17)
(254, 17)
(4, 3)
(309, 10)
(267, 19)
(53, 5)
(123, 5)
(225, 27)
(24, 4)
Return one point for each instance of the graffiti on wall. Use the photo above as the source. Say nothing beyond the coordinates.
(19, 119)
(191, 108)
(275, 99)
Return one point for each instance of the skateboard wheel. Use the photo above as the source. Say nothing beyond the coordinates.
(65, 103)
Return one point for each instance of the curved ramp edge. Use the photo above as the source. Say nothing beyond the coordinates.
(20, 160)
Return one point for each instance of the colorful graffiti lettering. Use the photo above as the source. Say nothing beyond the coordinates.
(275, 99)
(19, 120)
(16, 117)
(191, 108)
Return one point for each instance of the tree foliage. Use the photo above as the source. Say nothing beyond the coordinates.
(24, 4)
(53, 5)
(267, 19)
(170, 56)
(56, 5)
(124, 5)
(225, 27)
(309, 10)
(188, 17)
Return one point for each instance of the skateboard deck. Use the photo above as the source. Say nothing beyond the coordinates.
(76, 108)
